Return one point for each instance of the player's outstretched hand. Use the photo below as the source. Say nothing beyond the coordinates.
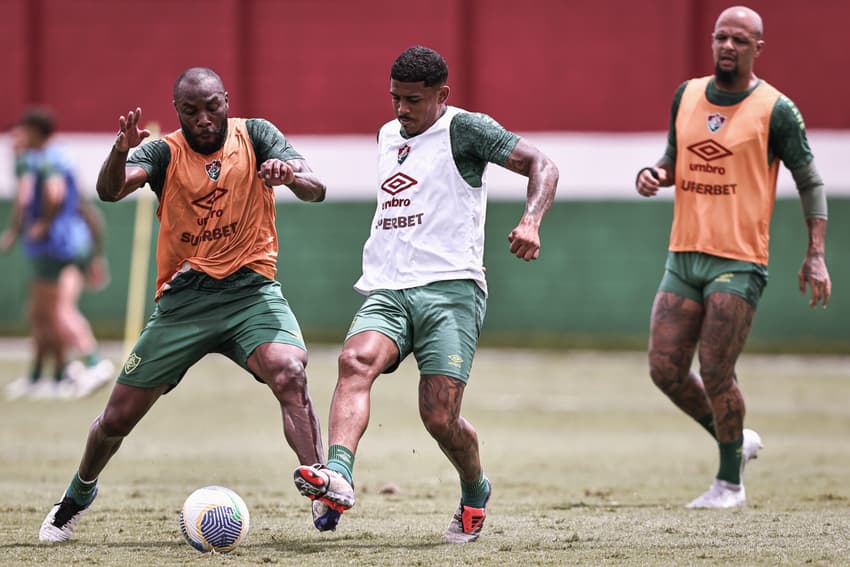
(814, 274)
(129, 133)
(276, 172)
(525, 241)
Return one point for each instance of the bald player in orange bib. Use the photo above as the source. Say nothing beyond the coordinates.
(728, 133)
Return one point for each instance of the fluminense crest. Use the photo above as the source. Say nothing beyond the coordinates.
(715, 121)
(213, 169)
(133, 362)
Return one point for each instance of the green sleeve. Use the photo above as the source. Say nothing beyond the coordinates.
(154, 158)
(21, 165)
(269, 142)
(670, 150)
(811, 190)
(787, 139)
(476, 141)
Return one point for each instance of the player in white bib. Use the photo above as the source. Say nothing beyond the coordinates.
(423, 276)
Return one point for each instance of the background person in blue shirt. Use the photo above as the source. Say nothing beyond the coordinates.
(61, 237)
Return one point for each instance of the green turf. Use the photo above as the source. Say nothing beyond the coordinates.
(590, 466)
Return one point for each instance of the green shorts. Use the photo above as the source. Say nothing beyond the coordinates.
(439, 323)
(200, 315)
(695, 275)
(47, 268)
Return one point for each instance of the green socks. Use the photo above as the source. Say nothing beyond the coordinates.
(475, 493)
(731, 454)
(81, 491)
(35, 373)
(341, 460)
(91, 359)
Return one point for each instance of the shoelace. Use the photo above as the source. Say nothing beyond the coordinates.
(68, 508)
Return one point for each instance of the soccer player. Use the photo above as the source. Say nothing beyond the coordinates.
(216, 258)
(423, 278)
(728, 133)
(62, 238)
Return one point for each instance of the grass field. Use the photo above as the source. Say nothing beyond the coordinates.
(590, 466)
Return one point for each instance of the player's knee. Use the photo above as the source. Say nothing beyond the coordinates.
(354, 367)
(287, 375)
(439, 424)
(439, 429)
(663, 375)
(113, 423)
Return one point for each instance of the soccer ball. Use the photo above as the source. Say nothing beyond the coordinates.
(214, 518)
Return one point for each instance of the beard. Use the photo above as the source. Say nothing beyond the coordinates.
(206, 148)
(724, 76)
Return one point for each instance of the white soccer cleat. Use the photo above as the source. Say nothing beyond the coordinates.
(721, 494)
(65, 389)
(20, 388)
(750, 449)
(318, 482)
(325, 518)
(48, 389)
(467, 522)
(91, 379)
(62, 520)
(724, 494)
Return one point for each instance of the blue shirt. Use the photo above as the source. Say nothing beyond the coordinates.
(69, 235)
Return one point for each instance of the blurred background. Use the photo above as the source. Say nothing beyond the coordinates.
(589, 82)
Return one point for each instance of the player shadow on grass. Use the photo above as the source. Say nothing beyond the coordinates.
(324, 544)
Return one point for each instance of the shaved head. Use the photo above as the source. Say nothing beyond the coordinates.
(195, 77)
(744, 17)
(201, 103)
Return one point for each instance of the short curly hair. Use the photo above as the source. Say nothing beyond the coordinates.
(40, 119)
(420, 64)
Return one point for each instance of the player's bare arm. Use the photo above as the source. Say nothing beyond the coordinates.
(813, 272)
(97, 272)
(53, 195)
(542, 175)
(115, 180)
(25, 190)
(296, 175)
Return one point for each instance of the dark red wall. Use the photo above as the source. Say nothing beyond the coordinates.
(321, 66)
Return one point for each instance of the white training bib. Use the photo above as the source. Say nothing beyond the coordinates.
(429, 222)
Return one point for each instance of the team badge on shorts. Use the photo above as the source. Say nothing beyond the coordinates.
(403, 152)
(133, 362)
(213, 169)
(715, 121)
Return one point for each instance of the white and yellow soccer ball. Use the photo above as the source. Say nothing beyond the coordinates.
(214, 519)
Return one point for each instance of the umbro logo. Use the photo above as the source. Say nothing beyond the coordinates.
(398, 183)
(206, 202)
(709, 150)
